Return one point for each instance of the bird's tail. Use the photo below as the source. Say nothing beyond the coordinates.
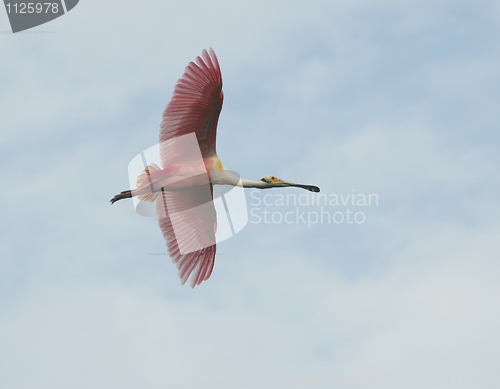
(144, 190)
(144, 180)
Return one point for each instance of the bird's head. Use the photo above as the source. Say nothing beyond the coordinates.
(274, 182)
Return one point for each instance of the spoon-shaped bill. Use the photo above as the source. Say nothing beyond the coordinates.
(310, 188)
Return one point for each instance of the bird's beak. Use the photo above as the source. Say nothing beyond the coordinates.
(310, 188)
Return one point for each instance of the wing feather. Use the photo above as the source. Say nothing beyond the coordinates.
(195, 105)
(194, 231)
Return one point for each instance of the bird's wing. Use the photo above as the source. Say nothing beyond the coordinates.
(187, 218)
(188, 222)
(195, 107)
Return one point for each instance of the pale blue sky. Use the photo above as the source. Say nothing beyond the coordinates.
(397, 98)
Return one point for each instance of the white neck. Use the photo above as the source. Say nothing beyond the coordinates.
(259, 184)
(226, 177)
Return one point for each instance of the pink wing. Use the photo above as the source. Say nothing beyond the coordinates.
(187, 218)
(190, 237)
(195, 106)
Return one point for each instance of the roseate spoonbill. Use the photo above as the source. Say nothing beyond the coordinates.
(180, 188)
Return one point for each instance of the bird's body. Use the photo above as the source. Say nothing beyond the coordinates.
(183, 186)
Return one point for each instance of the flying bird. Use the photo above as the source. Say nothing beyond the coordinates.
(182, 187)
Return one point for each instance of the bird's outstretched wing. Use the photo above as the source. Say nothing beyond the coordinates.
(187, 218)
(188, 222)
(195, 107)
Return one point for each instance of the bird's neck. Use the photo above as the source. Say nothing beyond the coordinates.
(226, 177)
(259, 184)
